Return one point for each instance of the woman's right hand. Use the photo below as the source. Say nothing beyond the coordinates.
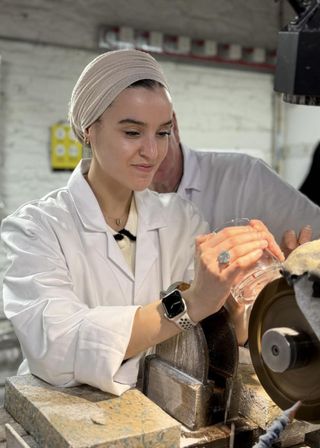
(213, 280)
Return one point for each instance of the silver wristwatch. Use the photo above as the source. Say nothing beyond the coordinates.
(175, 307)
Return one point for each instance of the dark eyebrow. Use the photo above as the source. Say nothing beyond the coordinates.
(141, 123)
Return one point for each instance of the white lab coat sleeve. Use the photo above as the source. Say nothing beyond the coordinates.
(64, 341)
(278, 204)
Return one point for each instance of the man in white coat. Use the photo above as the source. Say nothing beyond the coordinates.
(233, 185)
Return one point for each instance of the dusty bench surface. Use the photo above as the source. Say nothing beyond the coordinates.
(84, 416)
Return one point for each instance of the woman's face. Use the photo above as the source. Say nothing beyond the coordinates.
(130, 139)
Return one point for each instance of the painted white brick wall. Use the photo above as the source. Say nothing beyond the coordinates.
(300, 138)
(37, 85)
(221, 108)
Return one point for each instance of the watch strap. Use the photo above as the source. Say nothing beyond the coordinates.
(185, 322)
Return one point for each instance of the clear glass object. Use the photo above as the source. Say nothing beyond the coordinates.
(266, 269)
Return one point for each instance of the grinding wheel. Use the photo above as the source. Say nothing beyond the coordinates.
(275, 314)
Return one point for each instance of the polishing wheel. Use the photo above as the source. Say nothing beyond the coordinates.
(285, 351)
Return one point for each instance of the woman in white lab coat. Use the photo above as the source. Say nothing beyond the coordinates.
(88, 261)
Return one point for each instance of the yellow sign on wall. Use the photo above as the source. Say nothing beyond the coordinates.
(65, 151)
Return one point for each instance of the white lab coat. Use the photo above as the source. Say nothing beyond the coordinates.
(69, 292)
(231, 185)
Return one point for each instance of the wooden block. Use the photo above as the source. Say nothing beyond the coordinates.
(185, 398)
(84, 416)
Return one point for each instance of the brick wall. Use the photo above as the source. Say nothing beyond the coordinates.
(301, 135)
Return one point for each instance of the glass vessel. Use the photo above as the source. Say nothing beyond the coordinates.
(266, 269)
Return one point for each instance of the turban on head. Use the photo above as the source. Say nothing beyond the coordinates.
(103, 79)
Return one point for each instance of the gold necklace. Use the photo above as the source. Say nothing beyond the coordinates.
(118, 221)
(121, 221)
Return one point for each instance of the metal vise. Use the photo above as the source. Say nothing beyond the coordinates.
(190, 376)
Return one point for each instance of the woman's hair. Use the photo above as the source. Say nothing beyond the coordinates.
(103, 79)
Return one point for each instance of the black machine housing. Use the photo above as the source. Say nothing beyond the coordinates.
(298, 56)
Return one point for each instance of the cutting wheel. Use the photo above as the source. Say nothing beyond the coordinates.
(276, 307)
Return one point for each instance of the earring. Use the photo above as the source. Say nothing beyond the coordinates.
(87, 141)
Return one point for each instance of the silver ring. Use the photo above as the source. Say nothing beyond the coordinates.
(224, 257)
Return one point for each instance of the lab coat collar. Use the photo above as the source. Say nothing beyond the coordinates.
(149, 213)
(92, 220)
(151, 216)
(191, 178)
(84, 199)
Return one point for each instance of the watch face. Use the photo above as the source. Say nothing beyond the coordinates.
(173, 304)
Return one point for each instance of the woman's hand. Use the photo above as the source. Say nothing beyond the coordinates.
(210, 288)
(213, 280)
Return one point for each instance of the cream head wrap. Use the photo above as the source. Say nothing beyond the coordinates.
(103, 79)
